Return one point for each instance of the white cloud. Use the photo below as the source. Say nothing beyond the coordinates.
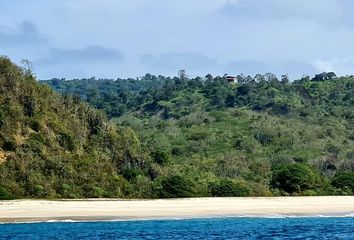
(321, 10)
(275, 34)
(316, 10)
(341, 66)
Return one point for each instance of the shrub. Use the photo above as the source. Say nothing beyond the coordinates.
(177, 151)
(264, 136)
(198, 136)
(66, 141)
(2, 118)
(9, 146)
(243, 143)
(229, 188)
(65, 190)
(161, 157)
(344, 181)
(39, 191)
(132, 173)
(176, 186)
(295, 178)
(35, 125)
(5, 195)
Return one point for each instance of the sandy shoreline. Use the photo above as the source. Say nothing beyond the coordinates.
(93, 210)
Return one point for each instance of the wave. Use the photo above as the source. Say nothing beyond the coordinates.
(248, 216)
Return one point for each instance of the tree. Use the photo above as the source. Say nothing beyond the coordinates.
(295, 178)
(271, 77)
(29, 105)
(209, 77)
(161, 157)
(319, 77)
(27, 66)
(230, 100)
(284, 78)
(260, 78)
(5, 195)
(147, 76)
(241, 78)
(183, 75)
(176, 186)
(330, 75)
(324, 76)
(229, 188)
(344, 181)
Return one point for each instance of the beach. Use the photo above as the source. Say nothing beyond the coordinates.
(117, 209)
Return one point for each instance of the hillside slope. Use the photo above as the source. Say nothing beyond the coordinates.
(55, 146)
(259, 136)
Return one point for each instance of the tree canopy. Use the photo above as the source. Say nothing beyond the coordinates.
(180, 136)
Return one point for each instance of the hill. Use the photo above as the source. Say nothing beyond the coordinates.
(54, 146)
(258, 136)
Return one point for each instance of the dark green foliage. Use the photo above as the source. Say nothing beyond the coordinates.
(176, 186)
(66, 141)
(344, 181)
(56, 146)
(9, 145)
(229, 188)
(5, 195)
(295, 178)
(29, 105)
(2, 119)
(132, 173)
(324, 76)
(208, 130)
(175, 137)
(161, 157)
(176, 97)
(115, 97)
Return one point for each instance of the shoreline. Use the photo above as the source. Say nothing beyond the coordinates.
(87, 210)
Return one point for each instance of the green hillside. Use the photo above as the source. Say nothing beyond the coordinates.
(259, 136)
(54, 146)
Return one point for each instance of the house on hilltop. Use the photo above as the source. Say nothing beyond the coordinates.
(230, 79)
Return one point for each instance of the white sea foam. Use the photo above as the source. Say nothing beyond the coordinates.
(272, 216)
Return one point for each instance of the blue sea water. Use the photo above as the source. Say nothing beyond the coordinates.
(225, 228)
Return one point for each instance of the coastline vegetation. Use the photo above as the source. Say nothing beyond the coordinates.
(163, 137)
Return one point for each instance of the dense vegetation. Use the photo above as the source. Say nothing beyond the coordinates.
(54, 146)
(259, 136)
(175, 137)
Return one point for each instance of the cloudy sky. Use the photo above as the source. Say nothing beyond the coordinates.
(128, 38)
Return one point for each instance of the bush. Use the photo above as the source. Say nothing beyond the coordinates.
(35, 125)
(5, 195)
(344, 181)
(93, 191)
(2, 118)
(264, 136)
(66, 141)
(39, 191)
(198, 136)
(176, 187)
(295, 178)
(161, 157)
(177, 151)
(132, 173)
(243, 143)
(229, 188)
(66, 191)
(9, 146)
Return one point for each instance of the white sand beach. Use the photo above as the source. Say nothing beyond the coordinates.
(113, 209)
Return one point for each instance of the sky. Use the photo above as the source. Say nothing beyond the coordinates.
(128, 38)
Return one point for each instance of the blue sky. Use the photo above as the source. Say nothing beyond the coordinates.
(128, 38)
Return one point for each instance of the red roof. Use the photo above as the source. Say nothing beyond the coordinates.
(230, 78)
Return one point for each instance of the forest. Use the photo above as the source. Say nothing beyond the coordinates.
(167, 137)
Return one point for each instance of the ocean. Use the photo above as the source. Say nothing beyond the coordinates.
(221, 228)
